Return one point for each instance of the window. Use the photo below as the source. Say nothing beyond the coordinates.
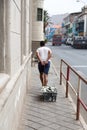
(39, 14)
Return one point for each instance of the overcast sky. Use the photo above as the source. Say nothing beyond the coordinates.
(54, 7)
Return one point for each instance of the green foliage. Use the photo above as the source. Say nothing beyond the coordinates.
(46, 16)
(46, 19)
(46, 41)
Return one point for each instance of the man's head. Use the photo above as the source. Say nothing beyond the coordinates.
(42, 43)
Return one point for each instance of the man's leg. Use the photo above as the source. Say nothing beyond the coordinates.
(41, 68)
(42, 78)
(45, 79)
(46, 70)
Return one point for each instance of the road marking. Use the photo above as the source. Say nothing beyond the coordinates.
(79, 66)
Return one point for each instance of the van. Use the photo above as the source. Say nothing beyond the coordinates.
(56, 40)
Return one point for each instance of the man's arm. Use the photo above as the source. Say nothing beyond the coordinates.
(49, 55)
(38, 56)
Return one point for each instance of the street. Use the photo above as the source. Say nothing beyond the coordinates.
(77, 58)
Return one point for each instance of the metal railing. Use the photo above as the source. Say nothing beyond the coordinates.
(77, 91)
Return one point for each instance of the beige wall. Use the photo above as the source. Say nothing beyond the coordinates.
(37, 28)
(1, 37)
(17, 21)
(15, 50)
(12, 98)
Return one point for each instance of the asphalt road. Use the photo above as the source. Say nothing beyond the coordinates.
(75, 57)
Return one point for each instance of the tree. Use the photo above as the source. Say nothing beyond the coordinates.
(46, 19)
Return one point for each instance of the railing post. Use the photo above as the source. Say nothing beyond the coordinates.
(78, 102)
(61, 73)
(78, 92)
(67, 79)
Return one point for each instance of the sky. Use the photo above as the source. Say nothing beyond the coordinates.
(54, 7)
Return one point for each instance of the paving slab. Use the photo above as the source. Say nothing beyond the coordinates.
(40, 115)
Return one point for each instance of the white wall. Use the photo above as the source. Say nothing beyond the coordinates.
(12, 98)
(15, 35)
(14, 84)
(37, 26)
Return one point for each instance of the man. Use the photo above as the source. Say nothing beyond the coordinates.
(43, 54)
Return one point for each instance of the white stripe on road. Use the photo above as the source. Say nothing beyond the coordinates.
(79, 66)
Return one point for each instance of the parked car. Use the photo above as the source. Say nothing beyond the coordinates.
(80, 43)
(69, 41)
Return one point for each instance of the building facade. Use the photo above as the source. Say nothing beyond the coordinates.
(37, 24)
(82, 22)
(75, 24)
(69, 24)
(16, 36)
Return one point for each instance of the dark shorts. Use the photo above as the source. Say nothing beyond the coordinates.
(44, 68)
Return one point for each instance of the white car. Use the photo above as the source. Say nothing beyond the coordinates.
(69, 41)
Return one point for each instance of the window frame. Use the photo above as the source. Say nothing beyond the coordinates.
(39, 14)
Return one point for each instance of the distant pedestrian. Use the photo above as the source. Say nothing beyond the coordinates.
(43, 54)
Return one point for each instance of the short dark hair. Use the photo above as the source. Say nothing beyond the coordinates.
(42, 43)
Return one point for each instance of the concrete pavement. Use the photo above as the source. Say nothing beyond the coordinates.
(40, 115)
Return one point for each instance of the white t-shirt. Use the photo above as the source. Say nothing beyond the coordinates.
(43, 52)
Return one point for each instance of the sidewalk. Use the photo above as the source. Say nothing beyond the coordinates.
(39, 115)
